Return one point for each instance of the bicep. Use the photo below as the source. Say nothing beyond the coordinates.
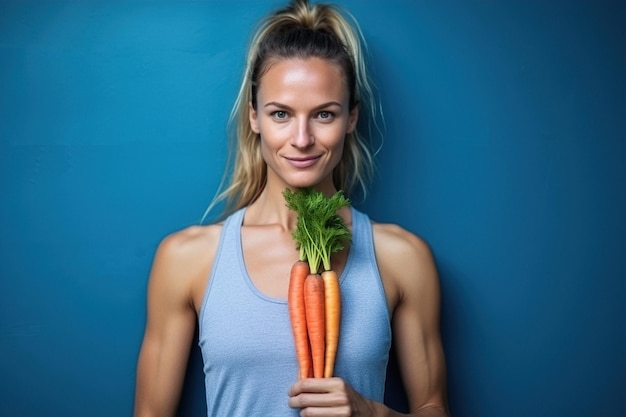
(420, 356)
(416, 322)
(167, 340)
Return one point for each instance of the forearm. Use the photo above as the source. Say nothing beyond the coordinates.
(149, 403)
(157, 390)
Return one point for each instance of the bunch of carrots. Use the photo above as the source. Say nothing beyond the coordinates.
(314, 299)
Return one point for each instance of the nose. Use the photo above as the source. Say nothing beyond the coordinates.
(303, 136)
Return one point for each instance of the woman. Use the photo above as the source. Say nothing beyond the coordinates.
(296, 114)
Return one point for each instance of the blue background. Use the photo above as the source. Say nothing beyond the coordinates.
(504, 149)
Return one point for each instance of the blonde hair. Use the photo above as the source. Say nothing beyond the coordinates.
(300, 30)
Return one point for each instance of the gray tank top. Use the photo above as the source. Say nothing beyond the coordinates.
(246, 339)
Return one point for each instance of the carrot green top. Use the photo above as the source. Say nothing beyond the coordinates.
(319, 231)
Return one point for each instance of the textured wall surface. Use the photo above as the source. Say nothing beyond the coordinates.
(504, 149)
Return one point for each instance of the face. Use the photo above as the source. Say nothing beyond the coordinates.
(302, 116)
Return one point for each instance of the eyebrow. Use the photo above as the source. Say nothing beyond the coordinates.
(321, 106)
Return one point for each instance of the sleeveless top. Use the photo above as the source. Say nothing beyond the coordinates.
(247, 342)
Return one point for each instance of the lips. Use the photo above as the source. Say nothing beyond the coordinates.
(303, 162)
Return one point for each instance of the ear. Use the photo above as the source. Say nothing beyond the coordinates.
(254, 122)
(353, 118)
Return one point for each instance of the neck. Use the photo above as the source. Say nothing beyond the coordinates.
(270, 207)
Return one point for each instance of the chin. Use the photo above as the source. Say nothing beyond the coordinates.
(302, 178)
(304, 182)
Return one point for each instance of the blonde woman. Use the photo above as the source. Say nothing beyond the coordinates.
(295, 125)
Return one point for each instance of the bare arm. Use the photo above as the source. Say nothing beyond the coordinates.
(169, 330)
(410, 275)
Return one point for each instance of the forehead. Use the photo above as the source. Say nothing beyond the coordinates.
(303, 77)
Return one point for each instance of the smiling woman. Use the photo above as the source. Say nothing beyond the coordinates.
(296, 116)
(504, 144)
(303, 119)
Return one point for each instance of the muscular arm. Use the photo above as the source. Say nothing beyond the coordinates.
(410, 276)
(169, 329)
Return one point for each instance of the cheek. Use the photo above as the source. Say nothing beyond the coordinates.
(336, 151)
(269, 145)
(337, 141)
(269, 138)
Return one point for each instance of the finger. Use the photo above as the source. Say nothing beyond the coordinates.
(326, 412)
(319, 393)
(319, 400)
(317, 385)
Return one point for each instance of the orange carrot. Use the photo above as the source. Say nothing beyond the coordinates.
(314, 305)
(295, 303)
(332, 304)
(319, 233)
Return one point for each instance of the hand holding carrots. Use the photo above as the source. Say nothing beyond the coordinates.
(328, 397)
(314, 298)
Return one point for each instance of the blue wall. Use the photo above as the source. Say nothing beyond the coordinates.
(505, 150)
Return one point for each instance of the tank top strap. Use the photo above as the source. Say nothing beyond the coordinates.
(362, 228)
(227, 253)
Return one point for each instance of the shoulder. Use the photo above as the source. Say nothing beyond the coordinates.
(395, 241)
(398, 246)
(405, 262)
(184, 245)
(184, 258)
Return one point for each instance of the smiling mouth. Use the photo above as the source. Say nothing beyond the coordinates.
(303, 162)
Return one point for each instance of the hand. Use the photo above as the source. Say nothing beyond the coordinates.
(327, 397)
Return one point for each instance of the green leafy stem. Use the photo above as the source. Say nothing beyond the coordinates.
(319, 231)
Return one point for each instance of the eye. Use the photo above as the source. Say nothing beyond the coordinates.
(279, 114)
(325, 115)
